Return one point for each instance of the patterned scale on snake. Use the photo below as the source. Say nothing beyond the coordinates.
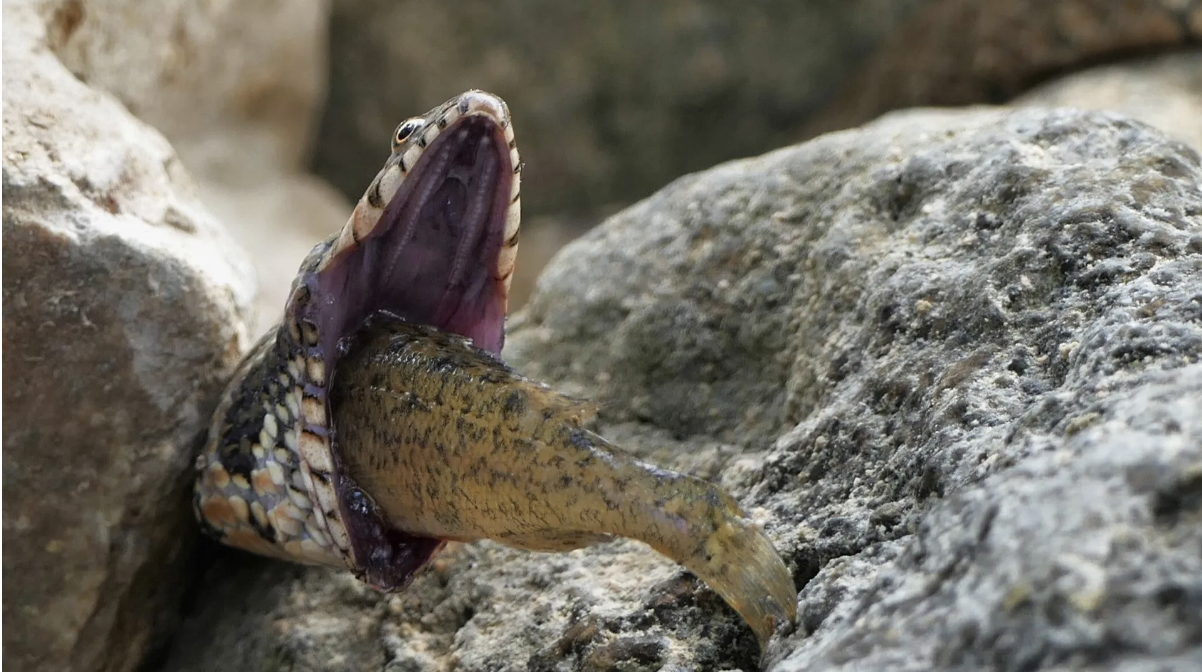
(377, 420)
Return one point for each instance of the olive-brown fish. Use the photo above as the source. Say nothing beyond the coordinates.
(452, 444)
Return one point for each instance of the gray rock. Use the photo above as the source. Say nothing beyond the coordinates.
(612, 100)
(1086, 554)
(124, 314)
(952, 360)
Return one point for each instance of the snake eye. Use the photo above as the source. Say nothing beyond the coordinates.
(406, 129)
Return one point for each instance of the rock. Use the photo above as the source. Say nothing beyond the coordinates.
(1081, 554)
(612, 100)
(1163, 91)
(952, 360)
(124, 314)
(963, 52)
(277, 218)
(237, 88)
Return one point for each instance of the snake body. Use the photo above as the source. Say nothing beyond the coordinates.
(377, 420)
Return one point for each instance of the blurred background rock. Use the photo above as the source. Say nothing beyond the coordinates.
(611, 100)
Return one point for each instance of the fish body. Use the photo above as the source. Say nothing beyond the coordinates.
(453, 444)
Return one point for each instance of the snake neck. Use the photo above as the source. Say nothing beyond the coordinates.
(252, 491)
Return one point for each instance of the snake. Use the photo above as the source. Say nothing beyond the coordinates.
(377, 420)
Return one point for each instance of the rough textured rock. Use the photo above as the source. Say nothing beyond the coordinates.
(952, 360)
(962, 52)
(124, 313)
(613, 100)
(237, 88)
(1164, 91)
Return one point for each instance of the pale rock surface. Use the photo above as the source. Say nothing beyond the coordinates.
(126, 307)
(238, 89)
(1163, 91)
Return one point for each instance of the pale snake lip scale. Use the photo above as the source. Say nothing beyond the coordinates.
(424, 435)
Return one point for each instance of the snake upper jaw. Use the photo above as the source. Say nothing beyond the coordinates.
(434, 237)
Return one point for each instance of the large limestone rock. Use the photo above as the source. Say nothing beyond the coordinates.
(952, 360)
(125, 310)
(237, 87)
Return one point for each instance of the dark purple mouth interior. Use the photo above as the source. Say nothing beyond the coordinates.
(431, 259)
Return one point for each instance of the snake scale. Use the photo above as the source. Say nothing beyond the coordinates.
(377, 421)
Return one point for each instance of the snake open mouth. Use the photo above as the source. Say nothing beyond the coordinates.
(431, 258)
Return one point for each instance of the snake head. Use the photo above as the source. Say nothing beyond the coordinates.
(433, 241)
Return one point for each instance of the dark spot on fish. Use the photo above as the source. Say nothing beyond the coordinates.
(579, 439)
(516, 404)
